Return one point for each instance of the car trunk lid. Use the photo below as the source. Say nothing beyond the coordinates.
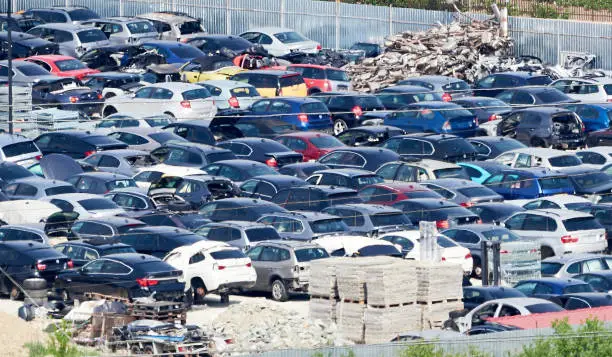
(285, 158)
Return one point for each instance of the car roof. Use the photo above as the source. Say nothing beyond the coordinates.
(119, 19)
(103, 175)
(51, 57)
(270, 29)
(405, 88)
(324, 188)
(304, 134)
(436, 79)
(292, 244)
(490, 139)
(542, 152)
(226, 83)
(112, 75)
(7, 139)
(432, 202)
(525, 301)
(66, 26)
(429, 163)
(543, 109)
(202, 147)
(368, 208)
(565, 198)
(475, 99)
(295, 100)
(606, 150)
(24, 245)
(96, 244)
(239, 163)
(567, 258)
(453, 183)
(167, 16)
(437, 105)
(432, 137)
(41, 183)
(556, 281)
(478, 227)
(401, 186)
(249, 202)
(162, 230)
(345, 172)
(375, 128)
(175, 86)
(521, 74)
(77, 196)
(278, 179)
(125, 152)
(308, 215)
(594, 80)
(113, 220)
(561, 213)
(33, 227)
(60, 8)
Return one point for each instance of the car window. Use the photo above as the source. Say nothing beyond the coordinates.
(542, 289)
(526, 288)
(593, 265)
(539, 223)
(144, 92)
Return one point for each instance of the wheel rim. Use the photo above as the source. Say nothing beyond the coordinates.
(276, 291)
(339, 126)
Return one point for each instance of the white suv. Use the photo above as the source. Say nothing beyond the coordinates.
(212, 267)
(586, 90)
(559, 231)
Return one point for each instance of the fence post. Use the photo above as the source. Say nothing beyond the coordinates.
(558, 42)
(283, 9)
(120, 7)
(337, 24)
(390, 20)
(228, 17)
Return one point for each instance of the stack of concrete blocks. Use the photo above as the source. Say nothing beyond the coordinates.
(323, 290)
(439, 291)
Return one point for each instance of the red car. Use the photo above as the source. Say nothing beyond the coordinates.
(390, 192)
(322, 78)
(62, 66)
(310, 144)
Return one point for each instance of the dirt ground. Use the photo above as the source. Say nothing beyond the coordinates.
(14, 333)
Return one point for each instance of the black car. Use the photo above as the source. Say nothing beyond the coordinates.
(23, 260)
(493, 84)
(584, 300)
(113, 83)
(219, 44)
(100, 182)
(302, 170)
(368, 135)
(76, 144)
(603, 214)
(185, 153)
(544, 127)
(484, 108)
(526, 97)
(192, 190)
(589, 182)
(238, 209)
(269, 152)
(128, 275)
(157, 241)
(185, 220)
(476, 295)
(10, 172)
(239, 170)
(494, 212)
(366, 158)
(196, 131)
(236, 127)
(82, 252)
(67, 94)
(399, 96)
(348, 108)
(490, 147)
(443, 147)
(315, 198)
(444, 213)
(266, 186)
(354, 179)
(107, 227)
(25, 45)
(104, 58)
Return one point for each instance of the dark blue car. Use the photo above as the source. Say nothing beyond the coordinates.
(303, 113)
(67, 94)
(517, 184)
(550, 287)
(594, 116)
(173, 51)
(434, 117)
(493, 84)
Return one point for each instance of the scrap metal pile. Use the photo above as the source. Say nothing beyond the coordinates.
(455, 50)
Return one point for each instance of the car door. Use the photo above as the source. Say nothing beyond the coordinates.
(139, 103)
(89, 279)
(540, 228)
(260, 268)
(115, 281)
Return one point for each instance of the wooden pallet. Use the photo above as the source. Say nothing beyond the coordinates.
(440, 301)
(386, 306)
(351, 301)
(97, 296)
(323, 297)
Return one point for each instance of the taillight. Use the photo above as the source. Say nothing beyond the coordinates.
(447, 97)
(357, 111)
(70, 264)
(443, 259)
(220, 267)
(468, 256)
(272, 162)
(442, 224)
(87, 153)
(229, 341)
(609, 100)
(503, 252)
(569, 239)
(183, 40)
(326, 86)
(100, 96)
(446, 126)
(467, 204)
(279, 92)
(38, 157)
(494, 117)
(249, 265)
(74, 99)
(145, 283)
(41, 266)
(303, 118)
(319, 47)
(185, 104)
(233, 102)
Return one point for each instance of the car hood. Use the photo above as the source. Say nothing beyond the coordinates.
(59, 166)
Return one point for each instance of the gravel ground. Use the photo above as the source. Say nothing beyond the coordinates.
(14, 333)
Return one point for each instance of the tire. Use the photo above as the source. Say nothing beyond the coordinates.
(35, 284)
(199, 291)
(225, 299)
(546, 252)
(339, 126)
(15, 293)
(109, 111)
(36, 294)
(279, 291)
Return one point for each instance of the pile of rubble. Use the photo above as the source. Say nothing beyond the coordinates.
(455, 50)
(262, 325)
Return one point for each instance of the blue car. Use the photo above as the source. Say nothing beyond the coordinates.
(303, 113)
(550, 287)
(494, 84)
(521, 184)
(434, 117)
(480, 171)
(594, 116)
(173, 51)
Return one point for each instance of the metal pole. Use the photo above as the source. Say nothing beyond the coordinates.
(390, 20)
(228, 17)
(337, 24)
(10, 66)
(484, 262)
(282, 13)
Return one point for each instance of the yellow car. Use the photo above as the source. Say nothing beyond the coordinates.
(274, 83)
(208, 68)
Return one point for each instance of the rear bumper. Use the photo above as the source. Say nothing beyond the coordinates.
(236, 285)
(296, 285)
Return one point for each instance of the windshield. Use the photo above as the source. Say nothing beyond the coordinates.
(22, 148)
(189, 27)
(308, 254)
(314, 108)
(445, 242)
(389, 219)
(581, 224)
(592, 179)
(495, 235)
(242, 92)
(93, 35)
(227, 254)
(564, 161)
(164, 136)
(58, 190)
(329, 226)
(476, 191)
(453, 172)
(337, 75)
(93, 204)
(140, 27)
(261, 234)
(550, 268)
(13, 172)
(31, 70)
(186, 51)
(111, 185)
(290, 37)
(200, 93)
(544, 307)
(326, 142)
(70, 65)
(553, 183)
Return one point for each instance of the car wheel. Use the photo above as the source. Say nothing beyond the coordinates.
(15, 293)
(199, 292)
(339, 126)
(225, 299)
(279, 291)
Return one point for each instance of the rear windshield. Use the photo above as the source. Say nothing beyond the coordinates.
(369, 102)
(336, 75)
(314, 108)
(228, 254)
(455, 113)
(43, 253)
(450, 211)
(503, 235)
(422, 194)
(13, 172)
(288, 81)
(200, 93)
(219, 156)
(389, 219)
(155, 122)
(82, 15)
(326, 142)
(242, 92)
(592, 179)
(92, 204)
(552, 95)
(92, 35)
(550, 268)
(59, 190)
(581, 206)
(539, 81)
(476, 191)
(578, 288)
(328, 226)
(70, 65)
(155, 267)
(140, 27)
(581, 224)
(185, 51)
(564, 161)
(261, 234)
(100, 140)
(22, 148)
(369, 180)
(453, 172)
(31, 70)
(308, 254)
(118, 250)
(164, 136)
(344, 198)
(290, 37)
(445, 242)
(544, 307)
(507, 145)
(457, 146)
(111, 185)
(492, 103)
(459, 85)
(189, 27)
